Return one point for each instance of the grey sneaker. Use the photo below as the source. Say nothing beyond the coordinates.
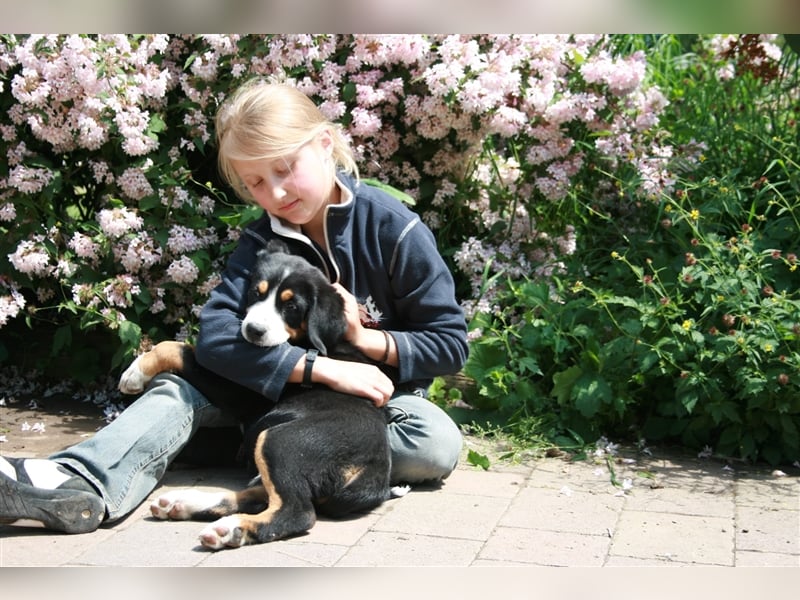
(72, 506)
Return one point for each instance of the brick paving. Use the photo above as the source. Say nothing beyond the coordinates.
(679, 511)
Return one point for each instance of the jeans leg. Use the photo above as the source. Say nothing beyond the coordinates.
(126, 459)
(425, 442)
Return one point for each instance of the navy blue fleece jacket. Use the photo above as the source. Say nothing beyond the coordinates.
(382, 253)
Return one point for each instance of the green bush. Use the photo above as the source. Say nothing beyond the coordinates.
(679, 317)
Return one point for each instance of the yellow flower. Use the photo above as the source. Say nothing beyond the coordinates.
(615, 255)
(687, 324)
(768, 348)
(695, 214)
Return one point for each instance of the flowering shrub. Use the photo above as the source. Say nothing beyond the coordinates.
(533, 158)
(681, 319)
(110, 208)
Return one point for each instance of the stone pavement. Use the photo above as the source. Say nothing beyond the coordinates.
(676, 511)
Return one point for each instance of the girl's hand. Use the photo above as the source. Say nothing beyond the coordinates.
(357, 379)
(351, 314)
(374, 343)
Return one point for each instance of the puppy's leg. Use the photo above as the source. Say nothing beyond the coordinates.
(238, 530)
(289, 512)
(164, 357)
(190, 504)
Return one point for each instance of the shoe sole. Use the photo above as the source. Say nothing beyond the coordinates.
(70, 511)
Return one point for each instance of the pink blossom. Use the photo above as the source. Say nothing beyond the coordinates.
(31, 258)
(29, 180)
(365, 123)
(621, 75)
(116, 222)
(183, 270)
(7, 212)
(134, 183)
(10, 303)
(84, 247)
(140, 252)
(119, 291)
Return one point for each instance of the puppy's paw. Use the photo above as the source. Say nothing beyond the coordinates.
(398, 491)
(182, 505)
(226, 532)
(133, 381)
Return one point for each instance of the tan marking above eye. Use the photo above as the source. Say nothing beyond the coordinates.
(297, 333)
(287, 295)
(262, 287)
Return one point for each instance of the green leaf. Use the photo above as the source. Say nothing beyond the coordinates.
(478, 460)
(348, 92)
(529, 364)
(392, 191)
(591, 392)
(61, 339)
(130, 333)
(563, 383)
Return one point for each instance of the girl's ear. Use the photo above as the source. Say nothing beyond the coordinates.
(326, 142)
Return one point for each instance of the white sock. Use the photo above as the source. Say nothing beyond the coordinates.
(43, 473)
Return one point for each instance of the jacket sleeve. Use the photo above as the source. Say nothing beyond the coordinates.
(221, 347)
(433, 337)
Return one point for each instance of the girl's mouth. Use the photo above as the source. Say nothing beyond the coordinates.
(290, 206)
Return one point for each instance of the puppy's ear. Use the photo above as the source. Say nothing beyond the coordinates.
(275, 246)
(326, 321)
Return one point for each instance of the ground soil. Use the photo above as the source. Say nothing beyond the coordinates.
(64, 422)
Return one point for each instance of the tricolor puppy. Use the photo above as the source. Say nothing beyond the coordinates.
(316, 451)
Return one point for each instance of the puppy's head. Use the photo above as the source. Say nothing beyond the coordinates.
(291, 300)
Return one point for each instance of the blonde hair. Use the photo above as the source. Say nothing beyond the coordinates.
(263, 120)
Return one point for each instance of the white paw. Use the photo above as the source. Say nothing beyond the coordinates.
(133, 381)
(181, 505)
(398, 491)
(225, 532)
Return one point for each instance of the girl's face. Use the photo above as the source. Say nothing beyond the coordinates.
(293, 188)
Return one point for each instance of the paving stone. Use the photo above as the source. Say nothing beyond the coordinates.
(681, 501)
(286, 553)
(21, 547)
(574, 512)
(578, 476)
(148, 544)
(767, 491)
(681, 511)
(445, 515)
(546, 548)
(380, 548)
(747, 558)
(684, 538)
(484, 483)
(767, 530)
(630, 561)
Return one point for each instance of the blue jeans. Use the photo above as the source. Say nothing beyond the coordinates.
(126, 459)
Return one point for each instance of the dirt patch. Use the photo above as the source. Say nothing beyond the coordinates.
(40, 427)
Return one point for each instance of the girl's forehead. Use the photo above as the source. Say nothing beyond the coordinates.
(256, 165)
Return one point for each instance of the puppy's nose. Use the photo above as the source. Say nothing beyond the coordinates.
(254, 331)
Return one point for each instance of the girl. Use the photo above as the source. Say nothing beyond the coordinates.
(278, 151)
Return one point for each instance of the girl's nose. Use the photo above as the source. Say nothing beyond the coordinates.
(278, 185)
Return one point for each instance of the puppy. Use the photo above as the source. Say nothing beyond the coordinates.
(316, 451)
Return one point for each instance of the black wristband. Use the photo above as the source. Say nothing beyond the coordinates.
(311, 356)
(386, 351)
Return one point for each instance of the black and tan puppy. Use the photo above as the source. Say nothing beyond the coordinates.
(316, 451)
